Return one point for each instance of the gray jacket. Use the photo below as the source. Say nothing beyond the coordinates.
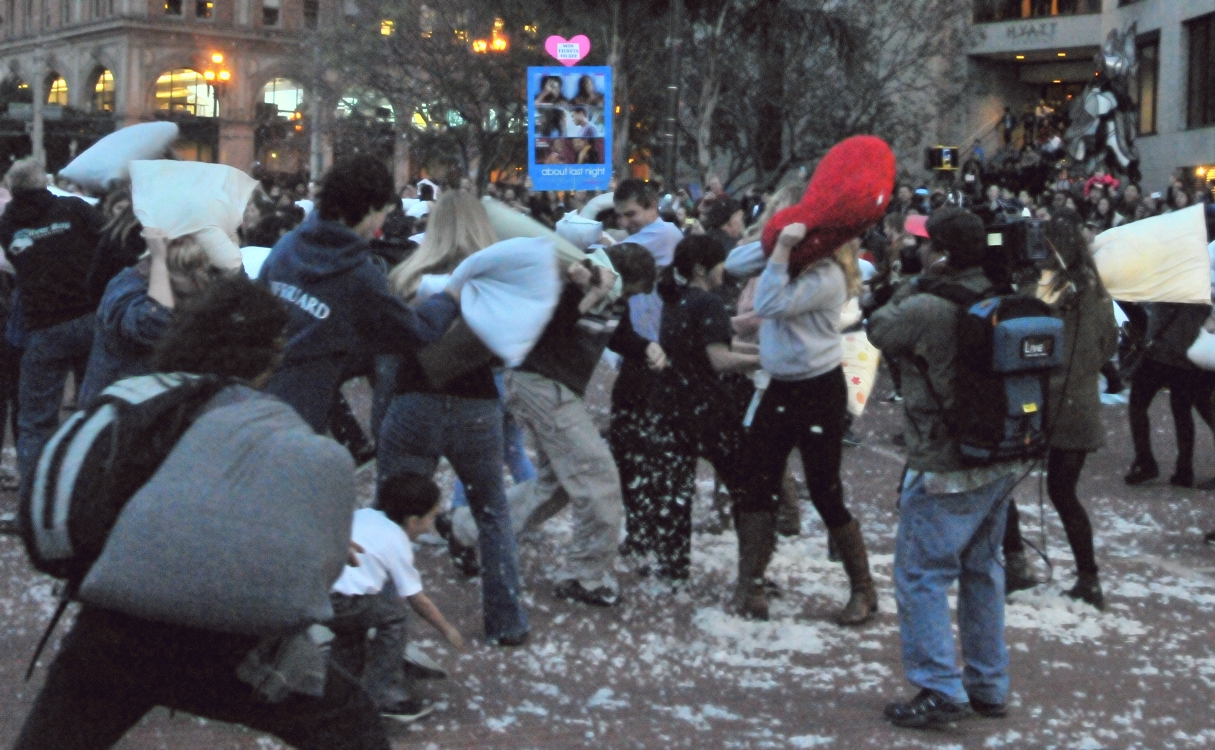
(920, 332)
(1090, 338)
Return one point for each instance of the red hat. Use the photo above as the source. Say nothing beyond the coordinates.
(848, 193)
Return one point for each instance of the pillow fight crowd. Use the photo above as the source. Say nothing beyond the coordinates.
(729, 350)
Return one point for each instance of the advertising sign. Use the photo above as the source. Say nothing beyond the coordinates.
(569, 127)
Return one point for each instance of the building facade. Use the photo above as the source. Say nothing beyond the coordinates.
(1029, 51)
(222, 69)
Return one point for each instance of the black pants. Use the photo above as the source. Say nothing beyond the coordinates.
(1188, 389)
(808, 414)
(1062, 474)
(685, 429)
(630, 438)
(10, 383)
(112, 669)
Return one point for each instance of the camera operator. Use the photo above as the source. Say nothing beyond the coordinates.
(951, 516)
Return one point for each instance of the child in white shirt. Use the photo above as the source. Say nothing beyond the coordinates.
(373, 594)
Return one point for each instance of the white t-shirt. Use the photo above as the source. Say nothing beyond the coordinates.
(388, 553)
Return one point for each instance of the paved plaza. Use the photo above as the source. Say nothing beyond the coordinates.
(669, 669)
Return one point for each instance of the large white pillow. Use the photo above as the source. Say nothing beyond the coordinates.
(100, 167)
(1161, 259)
(190, 197)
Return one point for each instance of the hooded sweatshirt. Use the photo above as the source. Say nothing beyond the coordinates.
(339, 303)
(50, 242)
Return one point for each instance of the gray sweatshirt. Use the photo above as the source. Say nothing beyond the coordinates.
(799, 337)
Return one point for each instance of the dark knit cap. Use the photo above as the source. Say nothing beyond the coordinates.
(959, 234)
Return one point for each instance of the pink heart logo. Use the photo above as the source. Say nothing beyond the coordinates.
(568, 52)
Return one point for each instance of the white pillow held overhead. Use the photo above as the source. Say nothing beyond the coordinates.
(105, 164)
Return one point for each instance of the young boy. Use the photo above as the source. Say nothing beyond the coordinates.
(372, 595)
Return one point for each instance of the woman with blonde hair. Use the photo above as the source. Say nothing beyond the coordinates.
(138, 305)
(804, 405)
(460, 420)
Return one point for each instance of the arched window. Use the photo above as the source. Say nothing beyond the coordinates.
(185, 91)
(56, 90)
(103, 91)
(286, 95)
(367, 105)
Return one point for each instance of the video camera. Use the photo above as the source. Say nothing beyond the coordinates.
(1024, 246)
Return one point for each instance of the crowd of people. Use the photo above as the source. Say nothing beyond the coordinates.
(727, 350)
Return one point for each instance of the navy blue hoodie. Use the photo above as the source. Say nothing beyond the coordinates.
(339, 303)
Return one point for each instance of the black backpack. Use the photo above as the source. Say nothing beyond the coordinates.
(1007, 346)
(97, 460)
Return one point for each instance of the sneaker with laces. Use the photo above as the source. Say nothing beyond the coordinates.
(408, 711)
(600, 596)
(464, 558)
(929, 708)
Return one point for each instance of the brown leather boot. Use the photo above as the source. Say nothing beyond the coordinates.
(756, 541)
(863, 603)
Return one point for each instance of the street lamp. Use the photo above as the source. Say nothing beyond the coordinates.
(217, 76)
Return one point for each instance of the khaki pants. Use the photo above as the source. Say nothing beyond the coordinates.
(574, 468)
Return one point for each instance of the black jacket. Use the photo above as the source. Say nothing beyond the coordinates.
(50, 241)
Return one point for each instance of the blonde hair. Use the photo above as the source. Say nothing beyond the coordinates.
(787, 196)
(845, 256)
(458, 227)
(190, 270)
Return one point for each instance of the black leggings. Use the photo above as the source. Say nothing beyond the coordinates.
(684, 431)
(1062, 473)
(809, 414)
(1188, 389)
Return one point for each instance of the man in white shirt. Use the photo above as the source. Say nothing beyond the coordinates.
(373, 593)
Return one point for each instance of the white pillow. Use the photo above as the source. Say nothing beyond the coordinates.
(100, 167)
(1161, 259)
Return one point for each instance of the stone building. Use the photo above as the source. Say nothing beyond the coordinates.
(220, 68)
(1030, 51)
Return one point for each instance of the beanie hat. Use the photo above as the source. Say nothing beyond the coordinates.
(959, 234)
(719, 211)
(848, 193)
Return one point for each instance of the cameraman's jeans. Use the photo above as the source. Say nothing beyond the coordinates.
(50, 354)
(943, 538)
(421, 428)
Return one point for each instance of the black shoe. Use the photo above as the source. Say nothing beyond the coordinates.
(852, 439)
(599, 597)
(464, 558)
(416, 671)
(927, 709)
(1182, 478)
(408, 711)
(509, 641)
(1140, 473)
(989, 710)
(1088, 589)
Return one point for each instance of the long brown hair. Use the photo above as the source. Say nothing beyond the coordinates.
(118, 226)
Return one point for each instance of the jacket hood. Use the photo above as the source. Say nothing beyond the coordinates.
(320, 249)
(28, 207)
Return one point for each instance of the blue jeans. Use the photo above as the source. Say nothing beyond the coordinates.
(517, 462)
(50, 354)
(421, 428)
(942, 539)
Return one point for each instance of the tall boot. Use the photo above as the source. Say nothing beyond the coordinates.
(789, 516)
(863, 602)
(756, 541)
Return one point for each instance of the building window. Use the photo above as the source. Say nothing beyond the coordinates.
(1011, 10)
(1201, 109)
(185, 91)
(270, 12)
(172, 7)
(203, 8)
(103, 92)
(56, 90)
(286, 95)
(312, 10)
(1146, 87)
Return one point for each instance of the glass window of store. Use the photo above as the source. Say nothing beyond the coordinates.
(1145, 90)
(1200, 110)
